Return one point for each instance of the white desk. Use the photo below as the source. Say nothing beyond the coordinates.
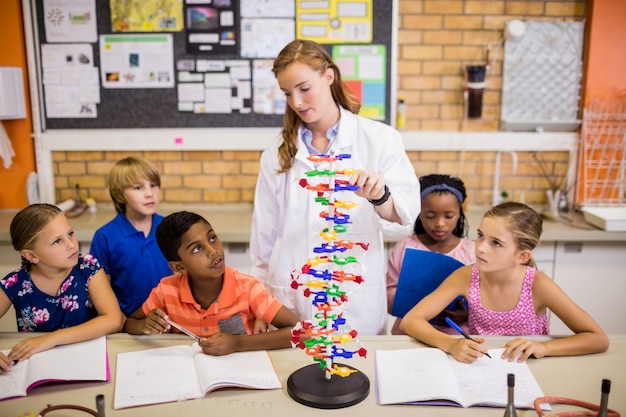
(574, 377)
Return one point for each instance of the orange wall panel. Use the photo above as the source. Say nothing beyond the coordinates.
(606, 56)
(13, 54)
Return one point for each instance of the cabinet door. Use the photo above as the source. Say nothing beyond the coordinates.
(544, 258)
(237, 256)
(9, 260)
(593, 274)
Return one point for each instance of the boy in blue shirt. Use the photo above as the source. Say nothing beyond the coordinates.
(126, 247)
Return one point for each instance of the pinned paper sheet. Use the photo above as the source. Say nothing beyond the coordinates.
(6, 149)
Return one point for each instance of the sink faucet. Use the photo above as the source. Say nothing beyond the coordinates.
(496, 198)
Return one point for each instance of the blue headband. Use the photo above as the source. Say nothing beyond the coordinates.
(442, 187)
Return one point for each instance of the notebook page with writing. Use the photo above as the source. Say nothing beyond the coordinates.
(184, 372)
(484, 381)
(410, 375)
(13, 383)
(428, 376)
(83, 361)
(155, 376)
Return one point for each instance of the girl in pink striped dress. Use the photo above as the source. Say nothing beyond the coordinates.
(440, 227)
(506, 296)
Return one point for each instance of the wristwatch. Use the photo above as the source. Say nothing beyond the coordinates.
(383, 199)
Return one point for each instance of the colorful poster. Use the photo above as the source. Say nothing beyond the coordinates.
(334, 21)
(212, 27)
(146, 15)
(137, 61)
(363, 68)
(70, 21)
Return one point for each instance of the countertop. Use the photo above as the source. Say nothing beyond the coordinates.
(577, 377)
(232, 224)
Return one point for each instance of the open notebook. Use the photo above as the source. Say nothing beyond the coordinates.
(184, 372)
(429, 376)
(83, 361)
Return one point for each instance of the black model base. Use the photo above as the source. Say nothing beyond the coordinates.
(309, 386)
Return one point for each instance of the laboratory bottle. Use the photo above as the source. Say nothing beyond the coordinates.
(401, 115)
(509, 410)
(604, 399)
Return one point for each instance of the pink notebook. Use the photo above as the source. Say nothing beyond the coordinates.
(83, 361)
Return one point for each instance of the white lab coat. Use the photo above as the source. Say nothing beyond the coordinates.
(286, 223)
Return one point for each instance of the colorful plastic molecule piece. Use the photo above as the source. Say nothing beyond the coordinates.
(328, 235)
(342, 371)
(344, 204)
(349, 244)
(344, 261)
(346, 276)
(322, 200)
(318, 260)
(325, 274)
(317, 172)
(341, 185)
(345, 171)
(339, 228)
(325, 248)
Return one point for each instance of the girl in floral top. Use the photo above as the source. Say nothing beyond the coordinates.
(57, 290)
(506, 296)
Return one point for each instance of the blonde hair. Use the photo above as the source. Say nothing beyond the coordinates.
(315, 57)
(125, 173)
(27, 225)
(523, 222)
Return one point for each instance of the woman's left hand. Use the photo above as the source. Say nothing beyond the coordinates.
(371, 184)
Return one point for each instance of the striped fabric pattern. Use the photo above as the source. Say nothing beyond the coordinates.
(242, 296)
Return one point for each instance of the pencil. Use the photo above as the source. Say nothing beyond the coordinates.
(182, 329)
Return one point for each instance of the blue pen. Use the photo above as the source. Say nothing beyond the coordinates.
(458, 329)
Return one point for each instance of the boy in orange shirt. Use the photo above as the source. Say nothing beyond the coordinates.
(208, 298)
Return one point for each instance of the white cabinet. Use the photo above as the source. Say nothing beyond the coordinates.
(237, 256)
(593, 274)
(9, 260)
(544, 257)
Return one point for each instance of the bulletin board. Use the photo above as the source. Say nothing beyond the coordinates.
(165, 99)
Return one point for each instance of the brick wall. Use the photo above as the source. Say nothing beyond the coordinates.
(436, 39)
(210, 177)
(225, 177)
